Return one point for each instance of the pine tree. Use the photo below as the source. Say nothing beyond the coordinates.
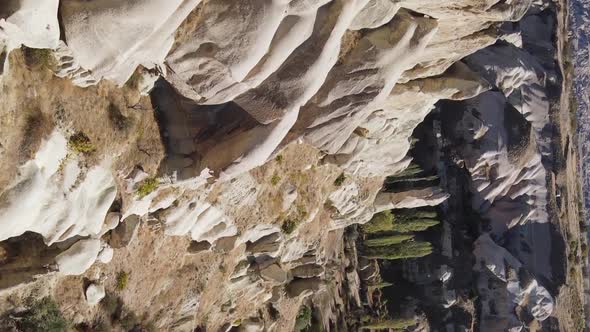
(416, 225)
(387, 240)
(411, 249)
(381, 222)
(401, 222)
(409, 214)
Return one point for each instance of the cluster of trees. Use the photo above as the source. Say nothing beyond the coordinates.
(387, 234)
(390, 235)
(400, 222)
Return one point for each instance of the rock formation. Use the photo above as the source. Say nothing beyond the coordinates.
(223, 146)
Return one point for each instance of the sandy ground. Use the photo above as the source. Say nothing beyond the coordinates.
(567, 183)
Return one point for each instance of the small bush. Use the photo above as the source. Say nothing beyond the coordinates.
(80, 143)
(279, 158)
(147, 186)
(122, 280)
(340, 180)
(275, 180)
(43, 316)
(289, 226)
(303, 319)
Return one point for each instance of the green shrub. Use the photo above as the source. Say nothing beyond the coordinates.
(387, 240)
(303, 320)
(381, 222)
(288, 226)
(400, 251)
(416, 225)
(275, 180)
(402, 222)
(279, 158)
(147, 186)
(411, 214)
(395, 324)
(80, 143)
(43, 316)
(122, 280)
(340, 180)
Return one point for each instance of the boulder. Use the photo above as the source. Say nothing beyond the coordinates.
(94, 293)
(79, 257)
(106, 254)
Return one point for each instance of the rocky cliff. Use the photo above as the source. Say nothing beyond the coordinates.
(196, 162)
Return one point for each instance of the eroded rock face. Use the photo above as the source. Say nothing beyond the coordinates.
(33, 24)
(270, 127)
(79, 257)
(33, 203)
(524, 293)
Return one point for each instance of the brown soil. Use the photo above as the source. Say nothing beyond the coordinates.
(570, 301)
